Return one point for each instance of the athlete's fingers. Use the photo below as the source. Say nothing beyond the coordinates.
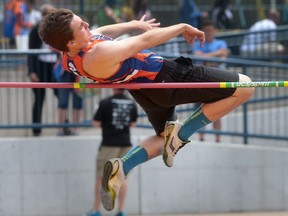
(202, 39)
(143, 18)
(153, 22)
(155, 25)
(190, 39)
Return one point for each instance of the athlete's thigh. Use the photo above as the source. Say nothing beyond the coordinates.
(157, 112)
(204, 74)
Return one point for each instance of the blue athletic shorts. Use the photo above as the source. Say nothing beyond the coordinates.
(63, 94)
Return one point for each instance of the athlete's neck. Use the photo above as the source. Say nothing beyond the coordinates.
(72, 54)
(75, 51)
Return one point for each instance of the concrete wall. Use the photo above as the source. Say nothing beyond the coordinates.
(55, 177)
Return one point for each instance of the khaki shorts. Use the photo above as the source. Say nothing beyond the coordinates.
(106, 153)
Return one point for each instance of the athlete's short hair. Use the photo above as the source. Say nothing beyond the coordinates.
(46, 8)
(55, 29)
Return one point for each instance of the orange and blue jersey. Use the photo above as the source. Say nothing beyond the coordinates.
(142, 67)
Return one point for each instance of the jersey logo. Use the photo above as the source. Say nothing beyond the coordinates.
(73, 69)
(101, 37)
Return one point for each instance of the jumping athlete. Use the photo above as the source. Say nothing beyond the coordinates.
(97, 56)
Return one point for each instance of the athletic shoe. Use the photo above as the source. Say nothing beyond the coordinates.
(172, 142)
(113, 177)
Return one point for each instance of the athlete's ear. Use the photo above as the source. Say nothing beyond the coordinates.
(71, 43)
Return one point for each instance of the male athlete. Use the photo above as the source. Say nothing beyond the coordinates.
(95, 55)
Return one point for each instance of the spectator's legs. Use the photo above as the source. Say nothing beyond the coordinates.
(62, 110)
(97, 196)
(39, 95)
(77, 109)
(217, 126)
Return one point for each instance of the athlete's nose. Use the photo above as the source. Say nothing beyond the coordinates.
(86, 25)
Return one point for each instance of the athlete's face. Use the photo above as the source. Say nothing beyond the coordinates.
(81, 31)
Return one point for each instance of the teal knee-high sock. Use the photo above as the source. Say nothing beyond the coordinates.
(133, 158)
(196, 121)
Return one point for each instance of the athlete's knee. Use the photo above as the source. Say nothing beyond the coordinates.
(245, 92)
(244, 78)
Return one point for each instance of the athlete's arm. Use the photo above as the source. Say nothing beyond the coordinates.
(118, 51)
(116, 30)
(106, 56)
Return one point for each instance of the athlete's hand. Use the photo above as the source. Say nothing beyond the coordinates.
(146, 25)
(191, 33)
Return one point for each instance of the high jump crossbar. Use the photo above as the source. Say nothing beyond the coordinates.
(144, 85)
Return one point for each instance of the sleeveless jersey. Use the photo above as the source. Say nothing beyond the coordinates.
(141, 67)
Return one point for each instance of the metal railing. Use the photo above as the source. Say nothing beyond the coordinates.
(264, 116)
(235, 39)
